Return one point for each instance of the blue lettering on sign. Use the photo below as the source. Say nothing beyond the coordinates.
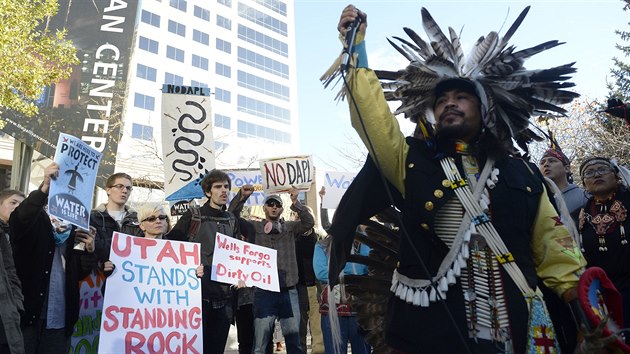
(243, 180)
(342, 182)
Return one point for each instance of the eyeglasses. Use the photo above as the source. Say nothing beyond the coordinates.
(599, 172)
(274, 204)
(152, 218)
(120, 187)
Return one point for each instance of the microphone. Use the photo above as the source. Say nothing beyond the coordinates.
(351, 35)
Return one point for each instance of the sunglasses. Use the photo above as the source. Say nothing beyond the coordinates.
(120, 187)
(274, 204)
(152, 218)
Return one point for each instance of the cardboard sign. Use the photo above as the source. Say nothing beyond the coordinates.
(236, 260)
(153, 298)
(240, 178)
(70, 195)
(336, 184)
(280, 174)
(187, 141)
(86, 330)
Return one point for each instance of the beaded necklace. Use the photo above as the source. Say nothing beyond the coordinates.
(605, 217)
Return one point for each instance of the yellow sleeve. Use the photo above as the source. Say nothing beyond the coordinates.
(558, 259)
(388, 144)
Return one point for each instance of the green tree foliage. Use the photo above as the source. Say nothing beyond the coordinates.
(31, 56)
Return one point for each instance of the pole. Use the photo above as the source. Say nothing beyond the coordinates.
(21, 166)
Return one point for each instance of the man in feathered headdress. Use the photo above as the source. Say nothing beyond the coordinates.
(480, 227)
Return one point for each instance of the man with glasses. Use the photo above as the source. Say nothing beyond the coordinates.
(274, 232)
(114, 215)
(201, 224)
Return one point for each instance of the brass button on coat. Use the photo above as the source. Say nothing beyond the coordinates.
(438, 193)
(446, 183)
(424, 226)
(428, 206)
(410, 165)
(529, 189)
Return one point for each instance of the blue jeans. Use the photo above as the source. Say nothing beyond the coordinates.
(267, 307)
(349, 330)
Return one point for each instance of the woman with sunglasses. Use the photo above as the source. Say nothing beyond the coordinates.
(603, 223)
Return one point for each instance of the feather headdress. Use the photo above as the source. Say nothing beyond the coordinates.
(509, 93)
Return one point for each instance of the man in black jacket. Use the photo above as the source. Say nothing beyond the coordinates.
(50, 269)
(114, 215)
(201, 225)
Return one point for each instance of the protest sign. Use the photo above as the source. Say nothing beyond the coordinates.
(187, 141)
(280, 174)
(235, 260)
(86, 330)
(70, 195)
(240, 178)
(153, 298)
(336, 184)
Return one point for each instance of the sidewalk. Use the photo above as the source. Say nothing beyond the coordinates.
(232, 344)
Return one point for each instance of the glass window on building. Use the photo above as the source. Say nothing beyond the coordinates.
(262, 40)
(146, 72)
(222, 121)
(177, 28)
(263, 109)
(245, 129)
(223, 95)
(202, 13)
(179, 4)
(223, 70)
(262, 85)
(275, 5)
(227, 3)
(201, 37)
(260, 18)
(150, 18)
(144, 101)
(224, 22)
(148, 44)
(172, 79)
(262, 62)
(224, 46)
(199, 62)
(142, 132)
(219, 145)
(174, 53)
(194, 83)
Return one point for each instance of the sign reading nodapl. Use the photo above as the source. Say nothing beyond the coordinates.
(187, 141)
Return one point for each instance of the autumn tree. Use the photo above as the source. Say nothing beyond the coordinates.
(31, 56)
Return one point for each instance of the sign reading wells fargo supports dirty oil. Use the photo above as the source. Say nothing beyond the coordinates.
(187, 141)
(282, 174)
(235, 260)
(90, 103)
(70, 195)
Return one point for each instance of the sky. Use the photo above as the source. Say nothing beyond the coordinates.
(587, 27)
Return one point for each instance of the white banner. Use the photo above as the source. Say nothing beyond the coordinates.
(336, 184)
(240, 178)
(187, 140)
(235, 260)
(70, 196)
(280, 174)
(153, 298)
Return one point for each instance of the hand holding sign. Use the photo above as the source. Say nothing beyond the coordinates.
(294, 192)
(85, 238)
(50, 172)
(322, 192)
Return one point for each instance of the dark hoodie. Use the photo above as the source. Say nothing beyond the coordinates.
(106, 225)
